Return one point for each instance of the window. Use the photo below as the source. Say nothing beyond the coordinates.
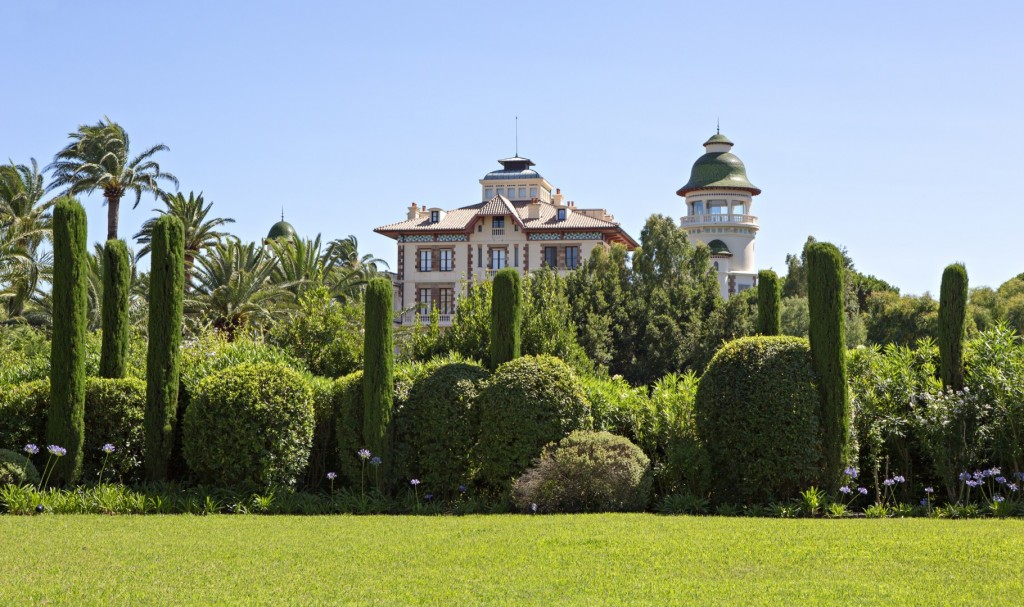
(424, 302)
(489, 193)
(498, 260)
(698, 207)
(501, 191)
(522, 193)
(479, 256)
(551, 257)
(446, 260)
(533, 192)
(572, 257)
(561, 214)
(498, 222)
(445, 301)
(426, 260)
(515, 256)
(435, 216)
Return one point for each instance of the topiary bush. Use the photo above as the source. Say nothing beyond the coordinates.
(952, 315)
(250, 426)
(114, 312)
(16, 469)
(528, 403)
(378, 365)
(437, 426)
(586, 472)
(506, 316)
(756, 413)
(769, 306)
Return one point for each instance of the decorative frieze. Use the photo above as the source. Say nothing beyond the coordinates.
(452, 238)
(416, 238)
(566, 236)
(545, 236)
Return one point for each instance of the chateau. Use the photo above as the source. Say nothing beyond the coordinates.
(520, 223)
(523, 223)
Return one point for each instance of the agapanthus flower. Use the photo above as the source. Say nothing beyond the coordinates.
(924, 501)
(31, 449)
(1001, 480)
(845, 490)
(888, 482)
(994, 471)
(851, 472)
(376, 461)
(998, 499)
(964, 476)
(1020, 476)
(1012, 486)
(862, 490)
(929, 490)
(414, 482)
(108, 448)
(972, 483)
(364, 454)
(899, 479)
(57, 450)
(979, 474)
(462, 488)
(332, 475)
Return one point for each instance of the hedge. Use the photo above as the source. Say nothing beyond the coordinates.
(769, 304)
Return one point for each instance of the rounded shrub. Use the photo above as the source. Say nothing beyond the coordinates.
(16, 469)
(757, 415)
(529, 402)
(250, 425)
(437, 426)
(586, 472)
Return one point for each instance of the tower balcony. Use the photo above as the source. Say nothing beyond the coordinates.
(718, 219)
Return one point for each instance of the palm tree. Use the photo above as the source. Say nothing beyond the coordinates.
(299, 262)
(200, 233)
(233, 288)
(25, 222)
(98, 158)
(348, 272)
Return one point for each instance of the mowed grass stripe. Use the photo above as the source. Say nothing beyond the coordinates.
(617, 559)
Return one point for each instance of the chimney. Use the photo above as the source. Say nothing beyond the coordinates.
(413, 211)
(533, 209)
(557, 198)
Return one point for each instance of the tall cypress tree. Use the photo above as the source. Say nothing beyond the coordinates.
(65, 422)
(163, 360)
(378, 365)
(952, 315)
(828, 352)
(506, 316)
(117, 274)
(769, 308)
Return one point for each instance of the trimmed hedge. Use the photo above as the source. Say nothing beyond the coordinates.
(528, 403)
(16, 469)
(437, 426)
(769, 304)
(250, 426)
(348, 407)
(952, 314)
(23, 414)
(757, 416)
(586, 472)
(324, 450)
(117, 277)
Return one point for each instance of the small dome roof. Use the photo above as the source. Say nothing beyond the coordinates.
(281, 229)
(719, 248)
(718, 169)
(515, 167)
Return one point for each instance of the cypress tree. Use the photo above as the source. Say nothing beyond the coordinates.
(828, 352)
(952, 314)
(65, 422)
(769, 308)
(506, 316)
(163, 359)
(378, 365)
(116, 283)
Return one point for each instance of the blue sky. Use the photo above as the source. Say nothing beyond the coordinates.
(893, 129)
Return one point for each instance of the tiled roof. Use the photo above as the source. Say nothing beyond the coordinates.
(459, 220)
(549, 219)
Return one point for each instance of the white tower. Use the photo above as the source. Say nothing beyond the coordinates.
(718, 198)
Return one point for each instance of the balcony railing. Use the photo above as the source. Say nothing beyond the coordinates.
(750, 220)
(444, 320)
(497, 231)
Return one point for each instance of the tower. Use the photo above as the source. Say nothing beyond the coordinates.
(718, 198)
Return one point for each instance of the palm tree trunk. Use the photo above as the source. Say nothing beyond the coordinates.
(113, 210)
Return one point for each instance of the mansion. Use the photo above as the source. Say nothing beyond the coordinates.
(524, 223)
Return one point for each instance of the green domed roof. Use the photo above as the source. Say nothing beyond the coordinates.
(281, 229)
(718, 169)
(719, 248)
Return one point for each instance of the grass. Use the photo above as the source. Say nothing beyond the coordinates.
(588, 560)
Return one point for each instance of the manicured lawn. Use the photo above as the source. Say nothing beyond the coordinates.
(507, 560)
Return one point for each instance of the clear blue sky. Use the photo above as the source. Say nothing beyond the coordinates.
(893, 129)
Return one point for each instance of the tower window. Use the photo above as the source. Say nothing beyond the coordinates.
(435, 216)
(489, 193)
(533, 192)
(522, 193)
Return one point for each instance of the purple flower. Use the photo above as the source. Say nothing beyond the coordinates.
(1012, 486)
(844, 489)
(108, 448)
(1020, 476)
(978, 475)
(924, 501)
(1001, 480)
(332, 475)
(862, 490)
(57, 450)
(414, 482)
(929, 490)
(964, 476)
(364, 454)
(31, 449)
(462, 488)
(972, 483)
(888, 482)
(994, 471)
(851, 472)
(997, 499)
(899, 479)
(375, 461)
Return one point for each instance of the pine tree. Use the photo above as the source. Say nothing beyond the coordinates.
(952, 314)
(163, 360)
(65, 424)
(506, 316)
(116, 284)
(378, 365)
(769, 306)
(828, 352)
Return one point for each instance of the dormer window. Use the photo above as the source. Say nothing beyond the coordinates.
(435, 216)
(561, 214)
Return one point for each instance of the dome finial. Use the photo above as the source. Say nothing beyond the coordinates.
(718, 126)
(282, 212)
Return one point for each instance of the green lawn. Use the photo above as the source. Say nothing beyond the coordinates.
(507, 560)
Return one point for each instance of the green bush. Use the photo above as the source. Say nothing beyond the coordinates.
(506, 317)
(437, 426)
(679, 458)
(757, 415)
(586, 472)
(116, 287)
(952, 315)
(621, 409)
(769, 309)
(348, 407)
(23, 413)
(250, 425)
(15, 469)
(378, 365)
(114, 412)
(324, 334)
(528, 403)
(324, 451)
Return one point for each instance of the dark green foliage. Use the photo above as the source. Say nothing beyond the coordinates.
(323, 333)
(65, 424)
(528, 403)
(757, 414)
(15, 469)
(166, 290)
(437, 426)
(586, 472)
(117, 274)
(324, 450)
(378, 365)
(827, 336)
(250, 425)
(23, 410)
(769, 308)
(952, 316)
(901, 319)
(114, 412)
(506, 317)
(348, 407)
